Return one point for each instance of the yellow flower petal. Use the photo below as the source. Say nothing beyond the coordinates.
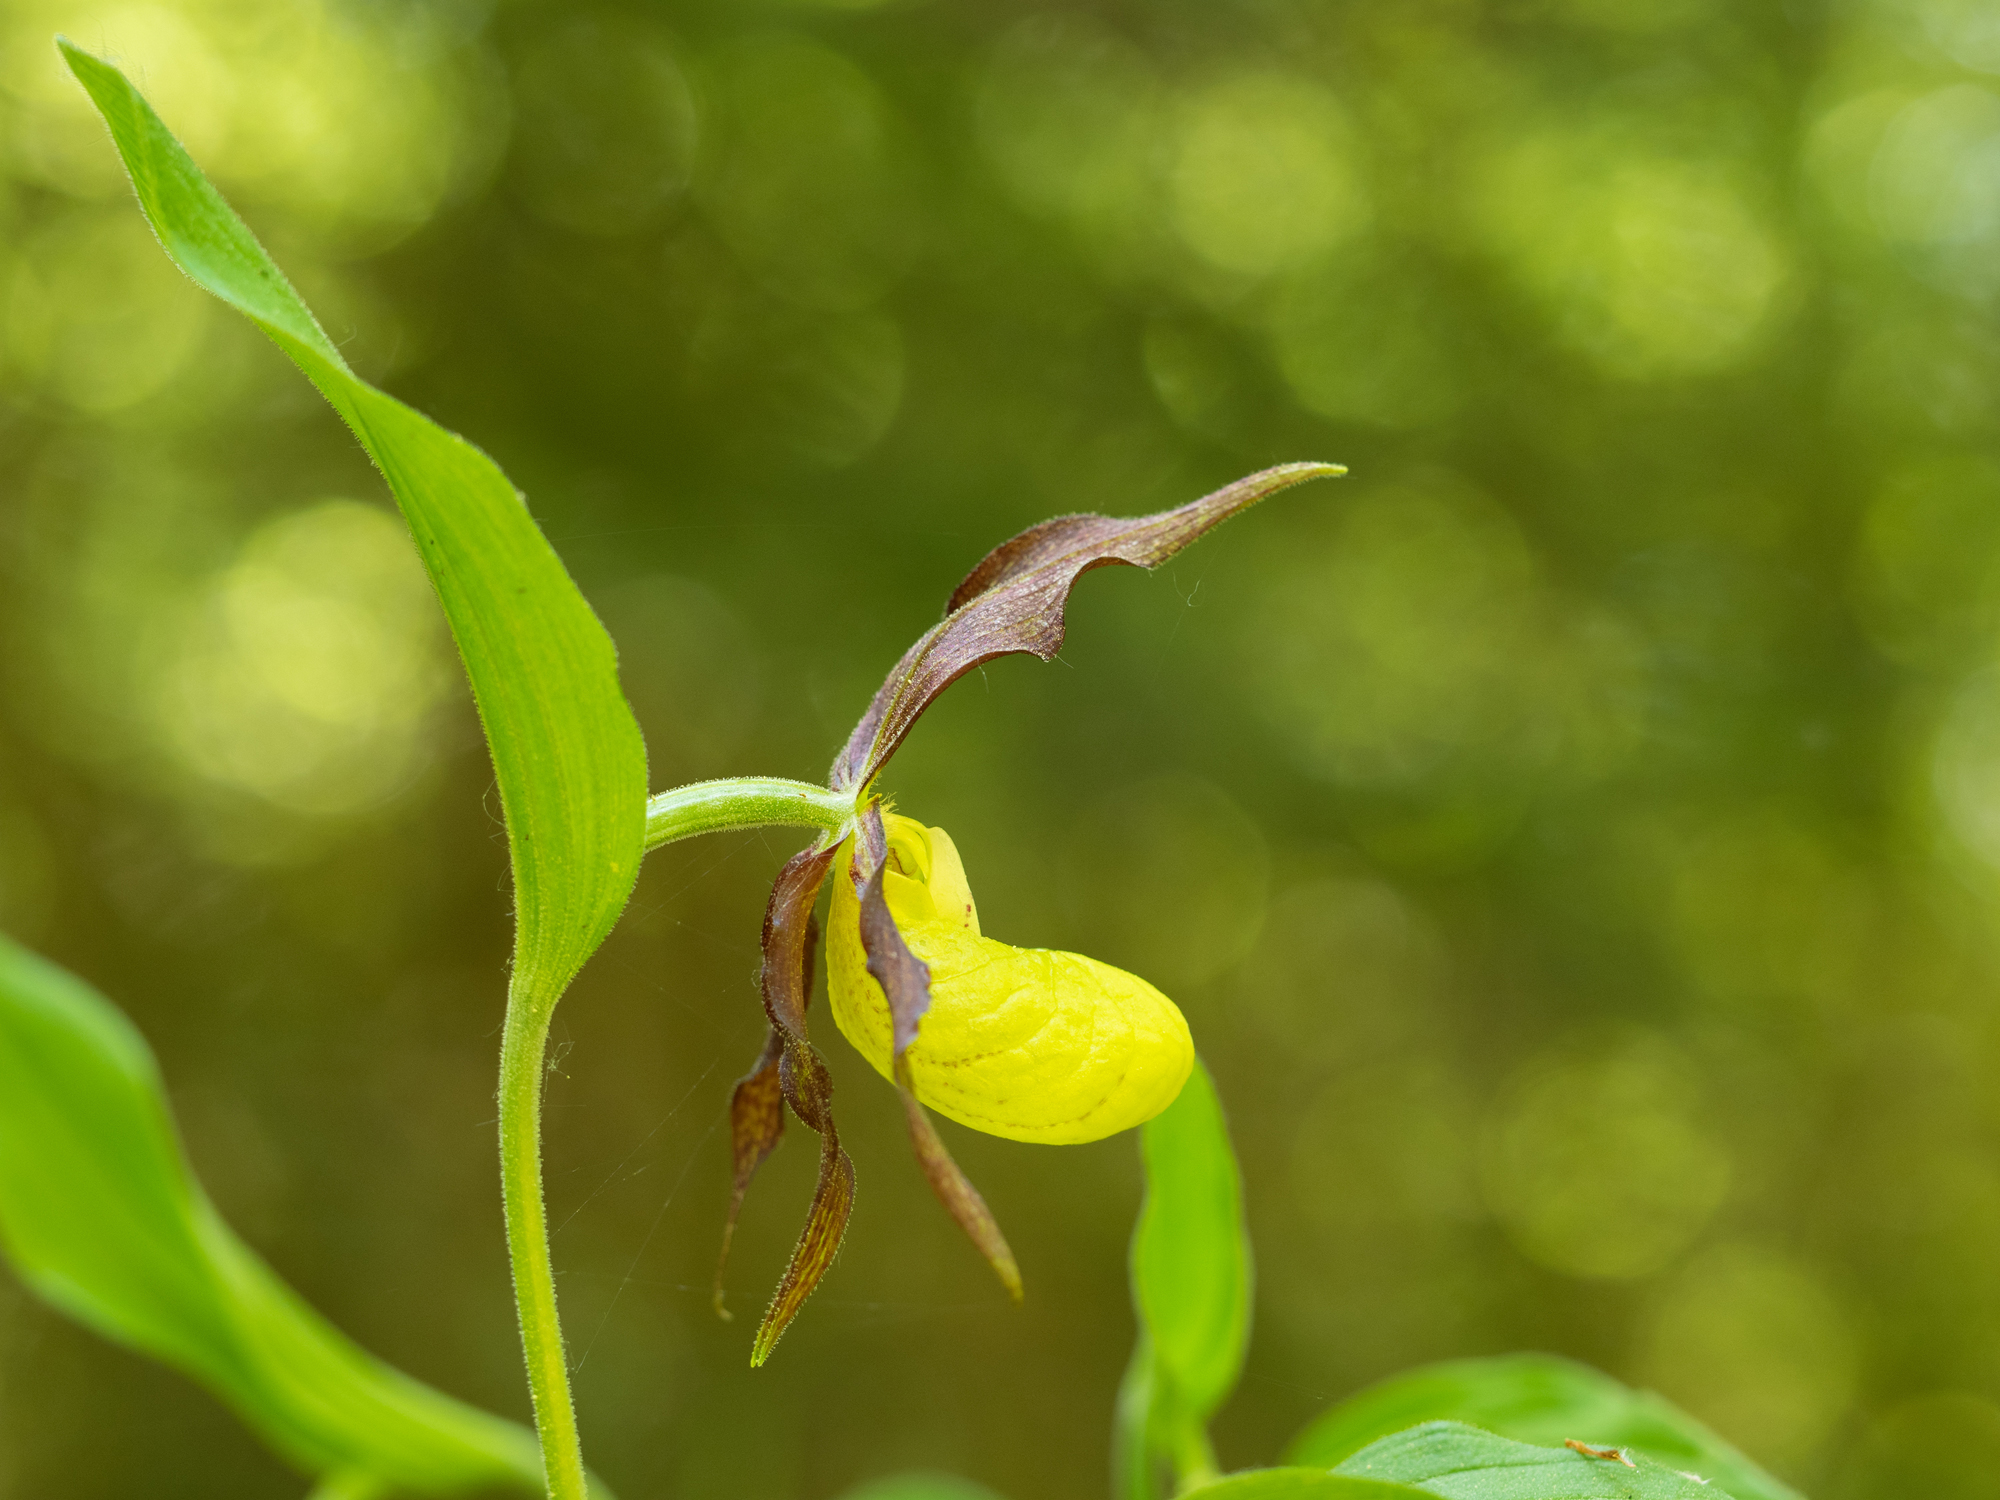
(1026, 1043)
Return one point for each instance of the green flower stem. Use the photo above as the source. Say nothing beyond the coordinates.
(743, 802)
(702, 807)
(1194, 1460)
(523, 1046)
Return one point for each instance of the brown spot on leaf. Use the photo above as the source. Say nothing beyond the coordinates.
(1617, 1454)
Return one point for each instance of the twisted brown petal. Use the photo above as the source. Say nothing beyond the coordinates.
(756, 1123)
(804, 1083)
(826, 1221)
(1013, 601)
(906, 982)
(955, 1189)
(757, 1117)
(905, 978)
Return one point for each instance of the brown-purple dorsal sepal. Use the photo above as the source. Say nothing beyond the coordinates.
(1013, 602)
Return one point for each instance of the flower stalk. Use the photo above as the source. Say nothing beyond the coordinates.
(523, 1046)
(744, 802)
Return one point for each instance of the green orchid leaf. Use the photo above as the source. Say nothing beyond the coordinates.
(1302, 1484)
(1534, 1398)
(1190, 1254)
(1190, 1288)
(920, 1487)
(1468, 1463)
(102, 1219)
(566, 750)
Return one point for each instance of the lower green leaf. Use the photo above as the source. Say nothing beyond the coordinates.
(920, 1486)
(1190, 1254)
(567, 755)
(1135, 1461)
(1535, 1398)
(1467, 1463)
(1190, 1289)
(101, 1218)
(1303, 1484)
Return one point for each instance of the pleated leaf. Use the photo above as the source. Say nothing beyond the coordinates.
(1302, 1484)
(1468, 1463)
(920, 1486)
(101, 1217)
(1190, 1252)
(566, 750)
(1535, 1398)
(1191, 1278)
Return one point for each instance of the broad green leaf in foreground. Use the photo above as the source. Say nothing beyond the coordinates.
(566, 750)
(101, 1217)
(920, 1486)
(1535, 1398)
(1465, 1463)
(1302, 1484)
(1190, 1289)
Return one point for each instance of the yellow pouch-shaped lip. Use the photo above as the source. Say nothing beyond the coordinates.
(1026, 1043)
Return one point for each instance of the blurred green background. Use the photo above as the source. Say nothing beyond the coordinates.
(1574, 837)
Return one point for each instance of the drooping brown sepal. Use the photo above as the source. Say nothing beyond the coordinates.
(955, 1190)
(804, 1083)
(1013, 601)
(757, 1114)
(905, 978)
(756, 1124)
(906, 982)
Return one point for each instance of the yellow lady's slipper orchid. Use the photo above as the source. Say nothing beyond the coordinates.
(1025, 1043)
(1018, 1042)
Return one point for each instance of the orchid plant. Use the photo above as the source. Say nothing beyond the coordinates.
(101, 1216)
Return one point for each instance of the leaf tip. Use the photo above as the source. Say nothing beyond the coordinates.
(82, 59)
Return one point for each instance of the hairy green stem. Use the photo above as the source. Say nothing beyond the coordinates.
(743, 802)
(1194, 1460)
(701, 807)
(523, 1044)
(1148, 1434)
(1132, 1469)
